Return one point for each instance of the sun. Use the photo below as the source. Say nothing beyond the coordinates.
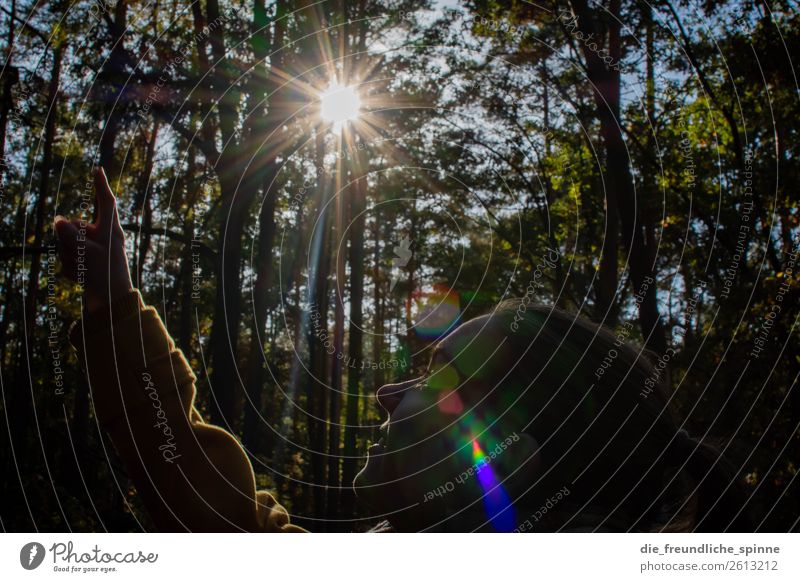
(339, 104)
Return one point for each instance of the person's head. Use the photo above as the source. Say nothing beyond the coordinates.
(535, 419)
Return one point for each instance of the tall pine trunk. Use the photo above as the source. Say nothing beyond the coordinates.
(317, 388)
(226, 379)
(143, 205)
(620, 189)
(114, 79)
(253, 426)
(355, 334)
(8, 78)
(337, 369)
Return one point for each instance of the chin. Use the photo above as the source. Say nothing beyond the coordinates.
(378, 499)
(373, 491)
(359, 480)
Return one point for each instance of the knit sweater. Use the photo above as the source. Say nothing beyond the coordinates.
(192, 476)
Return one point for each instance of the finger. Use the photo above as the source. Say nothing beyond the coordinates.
(105, 201)
(78, 253)
(89, 230)
(96, 258)
(56, 220)
(73, 234)
(67, 233)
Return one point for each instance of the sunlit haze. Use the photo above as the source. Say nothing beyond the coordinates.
(339, 104)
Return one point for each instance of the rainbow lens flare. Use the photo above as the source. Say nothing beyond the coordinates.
(496, 501)
(434, 312)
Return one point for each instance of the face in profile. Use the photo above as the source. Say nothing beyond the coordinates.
(448, 450)
(459, 450)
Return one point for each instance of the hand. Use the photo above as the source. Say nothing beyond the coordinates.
(94, 253)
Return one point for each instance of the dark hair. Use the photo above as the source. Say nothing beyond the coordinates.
(599, 409)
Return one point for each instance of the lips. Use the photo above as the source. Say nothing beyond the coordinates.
(377, 447)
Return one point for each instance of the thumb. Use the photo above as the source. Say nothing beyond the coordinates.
(66, 232)
(105, 201)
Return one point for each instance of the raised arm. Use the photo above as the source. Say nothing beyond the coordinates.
(192, 476)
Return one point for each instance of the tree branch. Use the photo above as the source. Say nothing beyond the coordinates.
(205, 250)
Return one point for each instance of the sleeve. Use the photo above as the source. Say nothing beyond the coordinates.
(192, 476)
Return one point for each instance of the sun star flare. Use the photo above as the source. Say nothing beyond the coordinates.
(339, 104)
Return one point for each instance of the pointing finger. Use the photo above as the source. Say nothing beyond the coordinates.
(106, 202)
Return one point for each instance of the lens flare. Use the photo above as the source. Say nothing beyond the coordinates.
(339, 104)
(435, 312)
(450, 402)
(496, 501)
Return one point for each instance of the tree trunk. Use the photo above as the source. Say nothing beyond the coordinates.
(143, 204)
(225, 377)
(190, 265)
(22, 404)
(253, 428)
(620, 187)
(114, 78)
(11, 307)
(44, 181)
(317, 389)
(355, 336)
(11, 488)
(187, 277)
(335, 396)
(378, 298)
(266, 235)
(8, 78)
(650, 209)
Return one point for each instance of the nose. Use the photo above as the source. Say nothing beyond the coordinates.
(390, 395)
